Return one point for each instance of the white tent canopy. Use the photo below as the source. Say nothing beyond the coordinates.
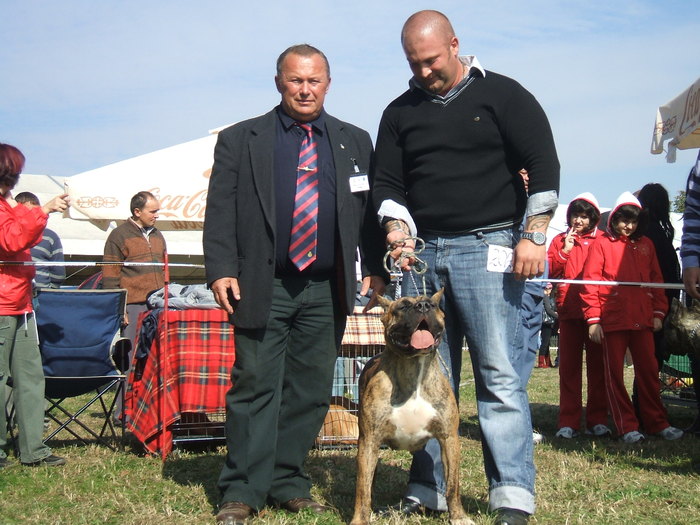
(178, 176)
(87, 238)
(679, 122)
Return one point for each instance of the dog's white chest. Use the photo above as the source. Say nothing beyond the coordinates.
(411, 421)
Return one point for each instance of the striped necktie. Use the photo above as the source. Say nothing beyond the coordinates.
(302, 242)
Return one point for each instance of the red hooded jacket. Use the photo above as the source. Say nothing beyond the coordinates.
(623, 307)
(21, 228)
(569, 266)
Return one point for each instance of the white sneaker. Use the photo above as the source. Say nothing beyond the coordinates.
(566, 433)
(537, 438)
(671, 433)
(633, 437)
(599, 431)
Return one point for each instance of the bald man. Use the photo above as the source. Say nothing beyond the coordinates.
(446, 169)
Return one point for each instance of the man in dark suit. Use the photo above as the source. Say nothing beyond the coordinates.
(288, 305)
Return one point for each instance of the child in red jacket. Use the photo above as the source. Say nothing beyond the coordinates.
(567, 254)
(621, 317)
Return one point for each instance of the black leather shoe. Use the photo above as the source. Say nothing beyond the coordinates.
(299, 504)
(506, 516)
(49, 461)
(4, 462)
(234, 513)
(406, 507)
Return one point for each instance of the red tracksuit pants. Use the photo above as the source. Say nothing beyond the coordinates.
(573, 336)
(646, 372)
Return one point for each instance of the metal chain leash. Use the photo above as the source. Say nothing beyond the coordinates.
(393, 268)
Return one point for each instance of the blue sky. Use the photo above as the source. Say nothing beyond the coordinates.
(88, 83)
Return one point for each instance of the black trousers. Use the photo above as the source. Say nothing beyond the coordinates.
(282, 379)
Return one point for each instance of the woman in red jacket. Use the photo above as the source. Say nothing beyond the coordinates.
(621, 317)
(21, 227)
(567, 254)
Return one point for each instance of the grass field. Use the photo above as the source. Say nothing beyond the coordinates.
(578, 481)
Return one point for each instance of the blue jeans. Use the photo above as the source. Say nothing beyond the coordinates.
(484, 307)
(531, 310)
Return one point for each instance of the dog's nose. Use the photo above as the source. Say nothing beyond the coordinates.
(423, 306)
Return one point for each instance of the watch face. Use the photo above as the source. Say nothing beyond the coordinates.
(538, 238)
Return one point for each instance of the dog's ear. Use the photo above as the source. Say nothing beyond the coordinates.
(384, 302)
(437, 296)
(696, 305)
(675, 305)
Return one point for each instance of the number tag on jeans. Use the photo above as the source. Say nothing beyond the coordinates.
(500, 259)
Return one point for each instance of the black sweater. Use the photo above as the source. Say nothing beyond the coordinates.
(455, 166)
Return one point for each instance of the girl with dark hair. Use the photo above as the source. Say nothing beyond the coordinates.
(21, 227)
(567, 255)
(621, 317)
(655, 200)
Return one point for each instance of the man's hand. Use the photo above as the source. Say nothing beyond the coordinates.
(526, 179)
(377, 284)
(528, 260)
(658, 324)
(399, 242)
(691, 280)
(222, 288)
(595, 333)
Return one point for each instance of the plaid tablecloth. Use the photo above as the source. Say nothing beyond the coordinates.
(196, 363)
(364, 329)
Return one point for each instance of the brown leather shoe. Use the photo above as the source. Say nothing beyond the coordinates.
(234, 513)
(298, 504)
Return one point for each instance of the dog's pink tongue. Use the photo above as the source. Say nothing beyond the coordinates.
(421, 339)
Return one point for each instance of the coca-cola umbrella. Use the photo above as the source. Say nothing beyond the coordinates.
(678, 122)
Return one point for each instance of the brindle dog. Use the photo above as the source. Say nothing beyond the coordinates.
(682, 328)
(405, 399)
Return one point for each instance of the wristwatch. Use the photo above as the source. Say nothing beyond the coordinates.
(538, 238)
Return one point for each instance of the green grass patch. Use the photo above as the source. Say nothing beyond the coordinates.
(578, 481)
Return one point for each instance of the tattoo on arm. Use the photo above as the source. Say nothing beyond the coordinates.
(538, 222)
(397, 224)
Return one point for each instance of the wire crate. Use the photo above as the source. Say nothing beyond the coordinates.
(340, 427)
(677, 381)
(195, 428)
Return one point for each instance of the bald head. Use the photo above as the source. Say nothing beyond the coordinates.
(432, 51)
(428, 22)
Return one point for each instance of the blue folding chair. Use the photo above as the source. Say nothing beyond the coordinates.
(83, 351)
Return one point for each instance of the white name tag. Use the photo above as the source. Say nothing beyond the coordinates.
(500, 259)
(359, 183)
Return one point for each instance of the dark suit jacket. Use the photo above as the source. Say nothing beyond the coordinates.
(239, 223)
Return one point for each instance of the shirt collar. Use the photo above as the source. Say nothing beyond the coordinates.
(475, 69)
(288, 122)
(143, 229)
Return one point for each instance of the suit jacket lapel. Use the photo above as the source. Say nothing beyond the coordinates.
(261, 147)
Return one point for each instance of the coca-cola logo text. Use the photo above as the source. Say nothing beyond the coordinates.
(188, 207)
(691, 111)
